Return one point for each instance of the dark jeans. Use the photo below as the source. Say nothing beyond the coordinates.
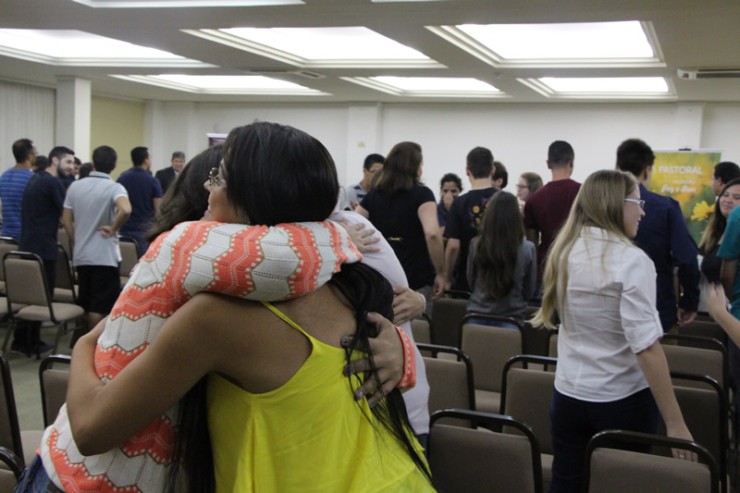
(574, 422)
(35, 479)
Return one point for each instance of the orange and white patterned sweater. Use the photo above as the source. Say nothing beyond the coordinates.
(251, 262)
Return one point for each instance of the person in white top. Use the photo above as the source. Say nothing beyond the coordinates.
(611, 372)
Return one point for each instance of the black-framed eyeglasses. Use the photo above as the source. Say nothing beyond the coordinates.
(639, 202)
(214, 178)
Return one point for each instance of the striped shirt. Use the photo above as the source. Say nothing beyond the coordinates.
(12, 184)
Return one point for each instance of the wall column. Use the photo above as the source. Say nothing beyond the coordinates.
(73, 103)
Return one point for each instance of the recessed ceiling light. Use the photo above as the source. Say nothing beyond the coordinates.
(151, 4)
(601, 87)
(320, 47)
(568, 44)
(70, 47)
(428, 86)
(224, 84)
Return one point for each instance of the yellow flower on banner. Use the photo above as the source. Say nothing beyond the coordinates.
(702, 211)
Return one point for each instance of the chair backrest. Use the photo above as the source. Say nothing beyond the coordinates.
(25, 279)
(610, 470)
(10, 470)
(10, 431)
(451, 382)
(421, 329)
(489, 348)
(64, 278)
(129, 255)
(703, 328)
(5, 247)
(53, 379)
(64, 242)
(472, 459)
(526, 394)
(697, 356)
(705, 413)
(447, 315)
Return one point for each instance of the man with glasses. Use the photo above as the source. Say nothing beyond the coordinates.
(663, 235)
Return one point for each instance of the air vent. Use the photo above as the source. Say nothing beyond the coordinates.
(726, 73)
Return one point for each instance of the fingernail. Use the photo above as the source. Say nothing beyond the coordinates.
(359, 394)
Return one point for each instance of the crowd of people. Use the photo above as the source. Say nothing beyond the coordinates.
(261, 285)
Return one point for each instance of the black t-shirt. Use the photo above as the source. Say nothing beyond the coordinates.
(463, 220)
(396, 216)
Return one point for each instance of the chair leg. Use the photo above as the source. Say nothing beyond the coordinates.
(61, 328)
(11, 328)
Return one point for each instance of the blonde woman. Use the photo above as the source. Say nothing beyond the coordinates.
(611, 370)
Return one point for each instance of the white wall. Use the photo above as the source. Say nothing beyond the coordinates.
(25, 112)
(518, 134)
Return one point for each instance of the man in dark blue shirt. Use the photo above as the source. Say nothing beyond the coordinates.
(663, 235)
(145, 194)
(41, 211)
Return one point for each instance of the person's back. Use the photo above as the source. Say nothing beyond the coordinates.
(395, 215)
(12, 185)
(293, 426)
(546, 211)
(145, 194)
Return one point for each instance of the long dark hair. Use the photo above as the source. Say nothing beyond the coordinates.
(368, 291)
(401, 168)
(187, 198)
(501, 236)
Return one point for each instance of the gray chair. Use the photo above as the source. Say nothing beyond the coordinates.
(489, 348)
(704, 409)
(474, 458)
(421, 329)
(129, 257)
(451, 383)
(65, 290)
(22, 443)
(53, 380)
(526, 394)
(10, 470)
(447, 316)
(610, 470)
(25, 284)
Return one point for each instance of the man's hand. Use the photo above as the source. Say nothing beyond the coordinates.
(106, 231)
(407, 305)
(387, 351)
(361, 237)
(685, 316)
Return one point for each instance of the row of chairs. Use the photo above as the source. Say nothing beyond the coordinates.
(526, 393)
(18, 447)
(480, 458)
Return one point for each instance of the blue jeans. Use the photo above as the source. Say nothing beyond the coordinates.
(573, 422)
(35, 479)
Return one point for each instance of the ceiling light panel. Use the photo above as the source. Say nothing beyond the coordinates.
(602, 87)
(459, 87)
(78, 48)
(224, 84)
(173, 4)
(328, 47)
(586, 44)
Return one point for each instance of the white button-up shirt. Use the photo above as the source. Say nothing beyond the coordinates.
(610, 316)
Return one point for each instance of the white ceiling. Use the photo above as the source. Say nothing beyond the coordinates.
(691, 34)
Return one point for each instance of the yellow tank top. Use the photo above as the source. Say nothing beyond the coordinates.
(309, 435)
